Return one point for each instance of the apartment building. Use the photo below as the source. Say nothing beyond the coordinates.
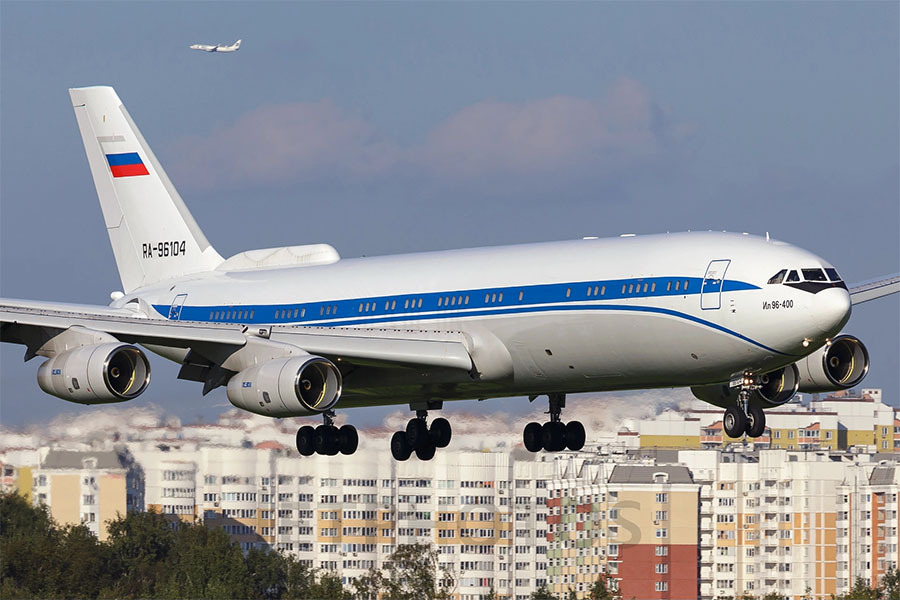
(88, 487)
(838, 421)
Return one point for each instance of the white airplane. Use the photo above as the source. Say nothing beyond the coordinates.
(217, 47)
(744, 321)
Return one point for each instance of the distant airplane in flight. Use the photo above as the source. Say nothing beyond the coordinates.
(217, 47)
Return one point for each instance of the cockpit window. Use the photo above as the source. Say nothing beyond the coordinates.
(814, 275)
(778, 277)
(833, 274)
(792, 276)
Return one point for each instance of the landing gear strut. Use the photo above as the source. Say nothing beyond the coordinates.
(421, 439)
(554, 435)
(326, 439)
(747, 417)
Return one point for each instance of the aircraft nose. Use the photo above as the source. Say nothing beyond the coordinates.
(831, 310)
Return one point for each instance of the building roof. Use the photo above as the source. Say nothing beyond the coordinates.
(69, 459)
(882, 476)
(647, 474)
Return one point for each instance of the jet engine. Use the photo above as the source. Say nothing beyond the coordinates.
(96, 374)
(839, 365)
(775, 388)
(287, 387)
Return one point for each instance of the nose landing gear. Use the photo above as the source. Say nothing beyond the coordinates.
(747, 417)
(554, 435)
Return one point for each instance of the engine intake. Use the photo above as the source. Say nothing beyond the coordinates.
(777, 388)
(97, 374)
(839, 365)
(287, 387)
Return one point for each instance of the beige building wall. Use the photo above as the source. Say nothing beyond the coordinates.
(112, 498)
(65, 503)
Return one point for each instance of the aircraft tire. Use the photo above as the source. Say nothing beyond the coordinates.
(756, 423)
(425, 451)
(575, 435)
(416, 433)
(440, 432)
(349, 439)
(400, 448)
(532, 437)
(333, 441)
(306, 444)
(553, 436)
(734, 422)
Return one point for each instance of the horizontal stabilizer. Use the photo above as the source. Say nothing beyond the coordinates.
(870, 290)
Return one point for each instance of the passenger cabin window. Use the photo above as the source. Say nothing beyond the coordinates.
(814, 275)
(777, 277)
(793, 276)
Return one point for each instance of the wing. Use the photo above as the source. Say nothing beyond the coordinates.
(212, 352)
(870, 290)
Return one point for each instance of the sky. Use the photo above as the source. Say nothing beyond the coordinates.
(397, 127)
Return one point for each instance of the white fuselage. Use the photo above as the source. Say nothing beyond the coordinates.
(585, 315)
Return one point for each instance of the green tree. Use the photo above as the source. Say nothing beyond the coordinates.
(890, 585)
(600, 590)
(29, 550)
(491, 595)
(205, 563)
(411, 573)
(83, 564)
(542, 593)
(861, 591)
(268, 574)
(139, 545)
(368, 586)
(327, 585)
(773, 596)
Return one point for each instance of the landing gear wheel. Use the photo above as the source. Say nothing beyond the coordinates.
(425, 451)
(348, 439)
(756, 421)
(306, 444)
(532, 437)
(400, 448)
(440, 432)
(326, 440)
(553, 436)
(416, 433)
(575, 435)
(734, 422)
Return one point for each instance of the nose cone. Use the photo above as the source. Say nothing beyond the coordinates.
(831, 310)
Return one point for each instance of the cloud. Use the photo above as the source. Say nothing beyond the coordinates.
(560, 135)
(288, 143)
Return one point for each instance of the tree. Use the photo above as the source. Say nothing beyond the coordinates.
(773, 596)
(368, 586)
(411, 573)
(205, 563)
(139, 545)
(542, 593)
(861, 591)
(600, 590)
(29, 547)
(890, 585)
(491, 595)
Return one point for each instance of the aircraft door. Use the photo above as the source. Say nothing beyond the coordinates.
(711, 288)
(177, 305)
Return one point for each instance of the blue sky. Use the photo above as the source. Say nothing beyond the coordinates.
(399, 127)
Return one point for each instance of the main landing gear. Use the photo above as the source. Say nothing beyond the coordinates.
(326, 439)
(554, 435)
(746, 417)
(421, 439)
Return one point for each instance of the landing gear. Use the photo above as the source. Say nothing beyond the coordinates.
(554, 435)
(421, 439)
(747, 417)
(326, 439)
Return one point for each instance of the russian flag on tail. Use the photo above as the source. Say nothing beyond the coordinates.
(127, 164)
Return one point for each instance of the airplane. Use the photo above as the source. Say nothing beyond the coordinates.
(218, 47)
(744, 321)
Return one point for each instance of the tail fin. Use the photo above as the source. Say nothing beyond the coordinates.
(153, 235)
(237, 44)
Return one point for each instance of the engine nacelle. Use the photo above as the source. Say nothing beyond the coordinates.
(839, 365)
(287, 387)
(97, 374)
(777, 388)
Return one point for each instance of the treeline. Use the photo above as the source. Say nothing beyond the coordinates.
(146, 556)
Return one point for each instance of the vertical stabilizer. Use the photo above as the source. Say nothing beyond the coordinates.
(153, 235)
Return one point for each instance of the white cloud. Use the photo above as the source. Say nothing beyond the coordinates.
(560, 135)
